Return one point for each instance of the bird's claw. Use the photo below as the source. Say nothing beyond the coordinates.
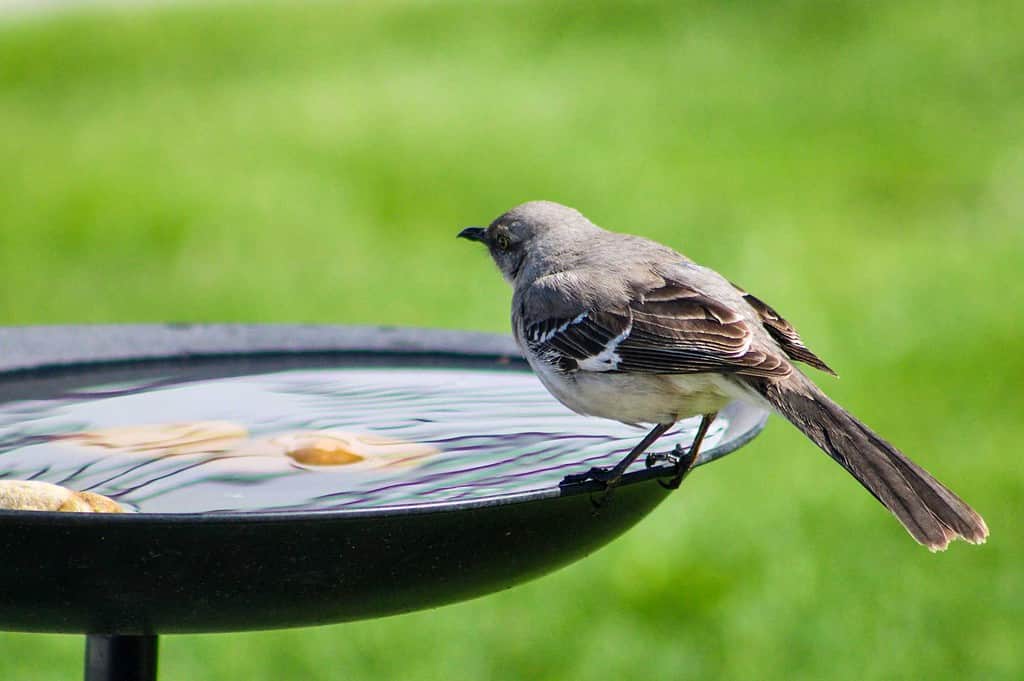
(674, 483)
(682, 460)
(654, 458)
(605, 476)
(599, 500)
(608, 478)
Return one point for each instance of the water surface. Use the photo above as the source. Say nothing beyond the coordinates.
(476, 434)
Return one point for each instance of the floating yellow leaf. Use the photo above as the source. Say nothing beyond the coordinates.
(33, 495)
(168, 439)
(340, 448)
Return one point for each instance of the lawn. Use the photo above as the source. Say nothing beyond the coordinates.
(860, 166)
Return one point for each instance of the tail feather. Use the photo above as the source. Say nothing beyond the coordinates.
(929, 511)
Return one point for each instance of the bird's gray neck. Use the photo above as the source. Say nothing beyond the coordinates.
(566, 250)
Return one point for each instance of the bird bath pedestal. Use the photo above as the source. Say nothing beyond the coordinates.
(212, 440)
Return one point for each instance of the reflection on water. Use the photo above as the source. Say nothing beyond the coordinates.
(311, 439)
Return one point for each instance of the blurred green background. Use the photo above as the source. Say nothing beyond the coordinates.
(858, 165)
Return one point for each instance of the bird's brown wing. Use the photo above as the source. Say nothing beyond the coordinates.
(673, 329)
(784, 333)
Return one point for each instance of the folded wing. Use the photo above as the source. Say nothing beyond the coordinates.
(673, 329)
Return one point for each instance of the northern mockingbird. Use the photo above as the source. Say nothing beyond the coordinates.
(624, 328)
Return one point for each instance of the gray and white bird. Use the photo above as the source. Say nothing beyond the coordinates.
(624, 328)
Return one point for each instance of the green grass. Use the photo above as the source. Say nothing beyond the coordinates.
(858, 165)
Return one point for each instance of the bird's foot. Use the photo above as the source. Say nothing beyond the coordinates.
(654, 458)
(609, 477)
(682, 459)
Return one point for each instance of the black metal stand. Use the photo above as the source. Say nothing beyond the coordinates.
(120, 658)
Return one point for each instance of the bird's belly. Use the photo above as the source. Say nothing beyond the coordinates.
(639, 398)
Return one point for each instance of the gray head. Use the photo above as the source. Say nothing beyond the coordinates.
(521, 236)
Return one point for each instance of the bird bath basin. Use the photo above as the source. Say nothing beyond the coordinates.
(280, 476)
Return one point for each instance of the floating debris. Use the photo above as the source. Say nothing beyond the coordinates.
(340, 448)
(34, 495)
(168, 439)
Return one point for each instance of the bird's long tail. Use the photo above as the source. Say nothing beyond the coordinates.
(929, 511)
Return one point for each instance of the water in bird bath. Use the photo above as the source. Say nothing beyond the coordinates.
(310, 439)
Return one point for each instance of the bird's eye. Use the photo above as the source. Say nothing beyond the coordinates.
(503, 242)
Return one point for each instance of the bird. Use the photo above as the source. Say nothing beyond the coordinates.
(621, 327)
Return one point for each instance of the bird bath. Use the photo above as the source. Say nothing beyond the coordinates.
(282, 476)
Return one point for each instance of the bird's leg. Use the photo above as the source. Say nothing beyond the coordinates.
(684, 462)
(611, 476)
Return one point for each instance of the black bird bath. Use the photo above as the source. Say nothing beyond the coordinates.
(232, 519)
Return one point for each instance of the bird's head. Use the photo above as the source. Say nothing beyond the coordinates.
(522, 236)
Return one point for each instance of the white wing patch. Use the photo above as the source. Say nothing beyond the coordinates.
(608, 359)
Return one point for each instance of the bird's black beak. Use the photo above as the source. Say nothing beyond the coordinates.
(473, 234)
